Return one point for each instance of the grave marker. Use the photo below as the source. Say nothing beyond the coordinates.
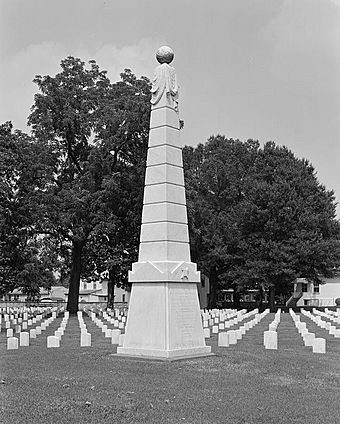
(12, 343)
(270, 340)
(115, 336)
(24, 339)
(53, 341)
(232, 337)
(319, 345)
(223, 339)
(85, 339)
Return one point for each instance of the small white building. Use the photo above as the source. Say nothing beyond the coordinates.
(97, 291)
(312, 294)
(89, 292)
(17, 295)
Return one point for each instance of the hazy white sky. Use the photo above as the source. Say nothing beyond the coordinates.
(262, 69)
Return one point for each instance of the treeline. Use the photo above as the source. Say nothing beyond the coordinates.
(71, 195)
(259, 218)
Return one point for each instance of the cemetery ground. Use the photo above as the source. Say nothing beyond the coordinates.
(242, 383)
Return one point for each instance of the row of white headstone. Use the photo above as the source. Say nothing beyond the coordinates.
(54, 341)
(270, 340)
(24, 337)
(332, 329)
(22, 319)
(85, 336)
(330, 315)
(118, 321)
(224, 320)
(212, 317)
(329, 312)
(231, 337)
(115, 334)
(318, 344)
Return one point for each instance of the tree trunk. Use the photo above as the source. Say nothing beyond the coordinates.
(212, 288)
(259, 299)
(271, 298)
(74, 282)
(236, 298)
(110, 292)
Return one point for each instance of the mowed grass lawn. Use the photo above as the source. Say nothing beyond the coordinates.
(240, 384)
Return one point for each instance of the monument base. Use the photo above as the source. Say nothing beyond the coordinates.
(164, 322)
(175, 355)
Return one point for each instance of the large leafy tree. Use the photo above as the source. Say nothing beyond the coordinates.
(23, 166)
(215, 175)
(98, 133)
(259, 217)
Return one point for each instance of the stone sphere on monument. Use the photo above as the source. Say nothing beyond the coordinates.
(165, 54)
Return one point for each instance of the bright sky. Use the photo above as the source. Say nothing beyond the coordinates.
(261, 69)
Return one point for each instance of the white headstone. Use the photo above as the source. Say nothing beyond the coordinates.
(9, 332)
(332, 329)
(115, 336)
(121, 339)
(108, 333)
(52, 341)
(58, 334)
(12, 343)
(206, 332)
(24, 339)
(319, 345)
(309, 339)
(33, 334)
(270, 340)
(238, 334)
(223, 339)
(232, 337)
(337, 333)
(85, 340)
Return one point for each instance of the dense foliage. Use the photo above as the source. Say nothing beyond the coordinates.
(91, 137)
(258, 217)
(23, 165)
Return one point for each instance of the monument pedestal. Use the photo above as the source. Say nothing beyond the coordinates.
(164, 322)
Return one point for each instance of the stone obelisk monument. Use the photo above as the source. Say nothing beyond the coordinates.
(164, 315)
